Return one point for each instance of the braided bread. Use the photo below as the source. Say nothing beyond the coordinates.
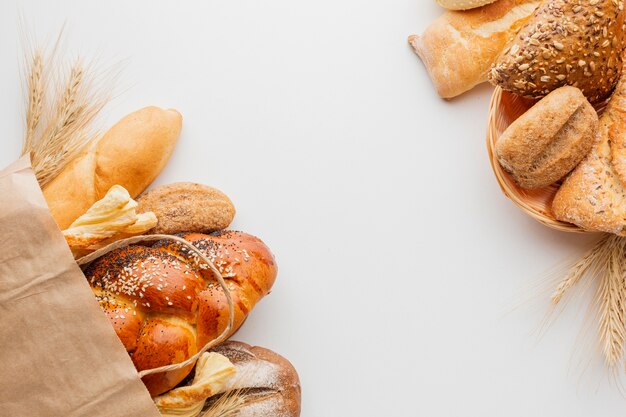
(165, 305)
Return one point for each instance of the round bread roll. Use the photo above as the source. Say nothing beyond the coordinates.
(268, 382)
(565, 42)
(463, 4)
(165, 305)
(186, 206)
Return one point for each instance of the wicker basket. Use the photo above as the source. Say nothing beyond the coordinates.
(504, 109)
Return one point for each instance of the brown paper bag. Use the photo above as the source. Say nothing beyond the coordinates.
(59, 355)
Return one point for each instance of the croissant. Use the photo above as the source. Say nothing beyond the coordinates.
(165, 305)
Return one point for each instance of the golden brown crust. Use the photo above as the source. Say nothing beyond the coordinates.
(131, 154)
(270, 382)
(549, 140)
(463, 4)
(593, 197)
(458, 48)
(566, 42)
(161, 300)
(186, 206)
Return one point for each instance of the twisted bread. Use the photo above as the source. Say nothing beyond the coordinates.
(165, 304)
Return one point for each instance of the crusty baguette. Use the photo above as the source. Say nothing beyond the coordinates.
(459, 47)
(131, 154)
(593, 197)
(463, 4)
(550, 139)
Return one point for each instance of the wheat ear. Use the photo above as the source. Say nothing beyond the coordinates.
(227, 405)
(611, 301)
(36, 94)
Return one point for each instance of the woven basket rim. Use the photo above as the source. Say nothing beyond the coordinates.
(520, 197)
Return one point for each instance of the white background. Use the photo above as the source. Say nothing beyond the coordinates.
(401, 264)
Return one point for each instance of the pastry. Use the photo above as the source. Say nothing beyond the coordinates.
(458, 48)
(186, 206)
(565, 42)
(165, 305)
(549, 140)
(131, 154)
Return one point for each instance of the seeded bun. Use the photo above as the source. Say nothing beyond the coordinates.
(463, 4)
(565, 42)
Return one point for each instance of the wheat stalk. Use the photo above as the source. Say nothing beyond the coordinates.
(68, 128)
(227, 405)
(36, 93)
(590, 263)
(612, 298)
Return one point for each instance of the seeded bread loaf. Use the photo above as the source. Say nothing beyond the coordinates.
(593, 197)
(566, 42)
(549, 140)
(459, 47)
(463, 4)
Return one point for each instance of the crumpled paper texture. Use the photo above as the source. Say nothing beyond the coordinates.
(59, 355)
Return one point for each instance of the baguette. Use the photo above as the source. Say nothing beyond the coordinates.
(459, 47)
(131, 154)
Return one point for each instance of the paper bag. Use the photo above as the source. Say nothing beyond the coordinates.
(59, 355)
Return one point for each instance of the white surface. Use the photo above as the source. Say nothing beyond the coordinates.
(400, 261)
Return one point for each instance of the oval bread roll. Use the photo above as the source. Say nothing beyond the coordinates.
(550, 139)
(463, 4)
(185, 206)
(131, 154)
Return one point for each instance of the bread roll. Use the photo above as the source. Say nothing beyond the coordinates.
(131, 154)
(185, 206)
(593, 197)
(268, 383)
(165, 305)
(459, 47)
(463, 4)
(565, 42)
(549, 140)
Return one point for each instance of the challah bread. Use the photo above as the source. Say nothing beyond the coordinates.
(565, 42)
(131, 154)
(459, 48)
(268, 383)
(165, 305)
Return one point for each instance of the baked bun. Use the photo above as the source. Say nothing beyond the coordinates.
(565, 42)
(549, 140)
(165, 305)
(463, 4)
(131, 154)
(268, 383)
(184, 206)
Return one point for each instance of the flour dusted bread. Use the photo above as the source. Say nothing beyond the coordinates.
(593, 197)
(268, 383)
(131, 154)
(566, 42)
(549, 140)
(459, 48)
